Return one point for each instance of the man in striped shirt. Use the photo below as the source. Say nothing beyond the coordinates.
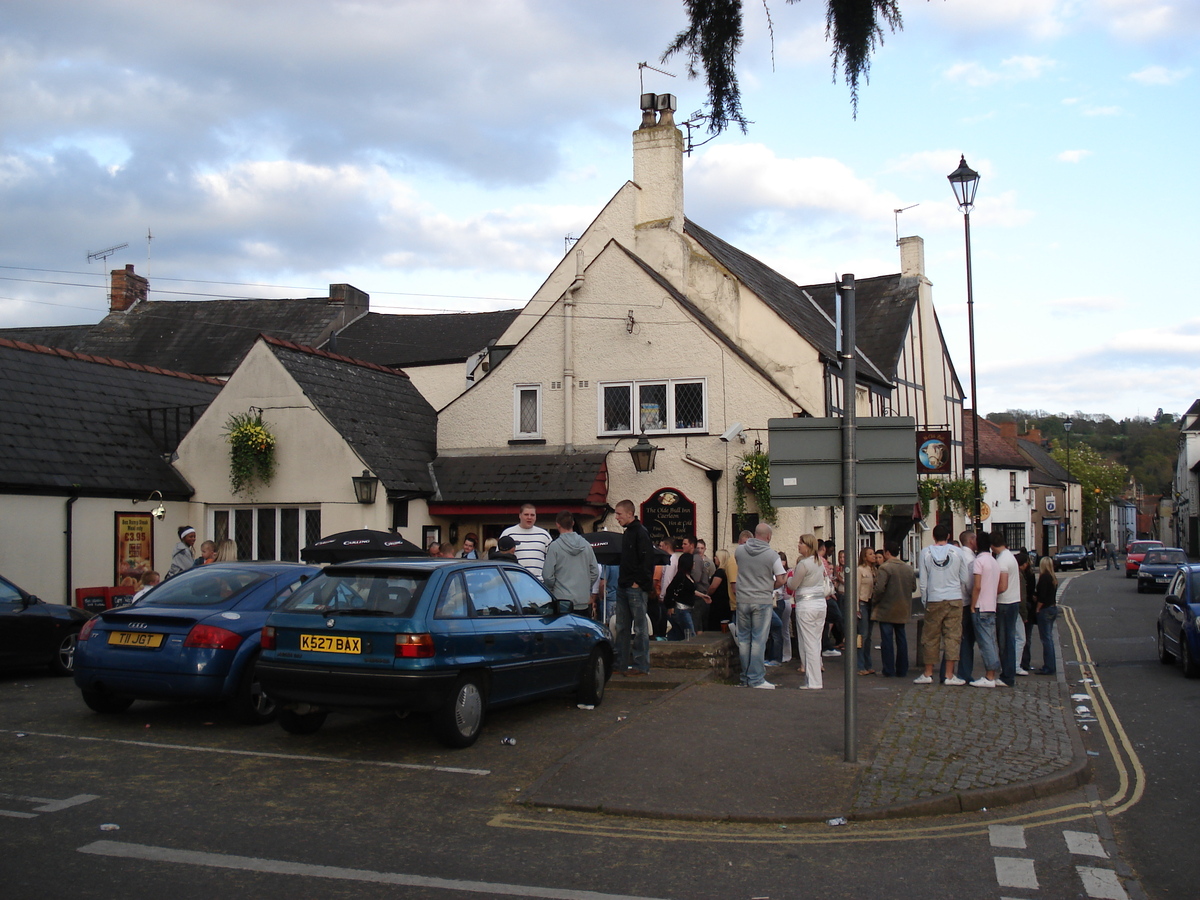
(531, 540)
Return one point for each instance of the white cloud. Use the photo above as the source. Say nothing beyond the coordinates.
(1102, 111)
(1011, 70)
(1159, 75)
(1073, 156)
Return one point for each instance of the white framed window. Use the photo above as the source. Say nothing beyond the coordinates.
(267, 532)
(670, 406)
(527, 411)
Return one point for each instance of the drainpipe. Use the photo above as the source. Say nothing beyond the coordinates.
(70, 533)
(714, 475)
(569, 356)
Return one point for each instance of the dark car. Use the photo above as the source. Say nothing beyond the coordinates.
(451, 638)
(1135, 552)
(193, 637)
(1158, 567)
(1178, 631)
(1074, 556)
(35, 633)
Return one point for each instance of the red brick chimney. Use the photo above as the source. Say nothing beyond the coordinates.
(128, 288)
(1008, 431)
(1033, 435)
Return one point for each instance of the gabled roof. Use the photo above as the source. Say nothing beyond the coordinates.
(207, 337)
(581, 478)
(88, 425)
(376, 409)
(1045, 465)
(69, 337)
(994, 451)
(813, 318)
(1190, 420)
(404, 340)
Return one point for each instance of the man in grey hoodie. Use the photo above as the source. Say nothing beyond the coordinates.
(760, 572)
(941, 593)
(571, 570)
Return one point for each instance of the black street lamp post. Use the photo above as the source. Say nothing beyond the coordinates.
(1067, 423)
(965, 182)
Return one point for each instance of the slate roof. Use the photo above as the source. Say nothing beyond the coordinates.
(1044, 464)
(376, 409)
(542, 479)
(207, 337)
(994, 451)
(68, 337)
(80, 424)
(403, 340)
(814, 319)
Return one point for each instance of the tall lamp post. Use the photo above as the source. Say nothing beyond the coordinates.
(965, 182)
(1067, 423)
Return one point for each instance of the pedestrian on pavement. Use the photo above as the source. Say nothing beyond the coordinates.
(760, 572)
(785, 602)
(895, 584)
(1110, 555)
(866, 587)
(966, 648)
(1008, 608)
(808, 584)
(718, 591)
(571, 571)
(149, 579)
(182, 558)
(1028, 610)
(731, 569)
(633, 582)
(470, 543)
(702, 575)
(941, 593)
(989, 582)
(226, 551)
(505, 549)
(681, 593)
(832, 637)
(1047, 613)
(532, 541)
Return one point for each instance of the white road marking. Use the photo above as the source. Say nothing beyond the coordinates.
(1012, 836)
(1018, 873)
(1102, 884)
(279, 867)
(45, 804)
(17, 815)
(1084, 843)
(194, 749)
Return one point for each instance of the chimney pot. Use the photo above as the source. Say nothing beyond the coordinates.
(128, 289)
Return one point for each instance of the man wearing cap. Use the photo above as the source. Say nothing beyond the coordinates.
(505, 549)
(182, 559)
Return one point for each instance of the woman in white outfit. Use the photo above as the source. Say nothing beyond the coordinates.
(808, 583)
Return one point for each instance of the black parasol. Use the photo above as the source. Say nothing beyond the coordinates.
(362, 543)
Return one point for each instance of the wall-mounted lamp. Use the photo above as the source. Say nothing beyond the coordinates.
(643, 453)
(159, 511)
(365, 486)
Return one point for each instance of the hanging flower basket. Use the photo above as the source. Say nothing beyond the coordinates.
(753, 473)
(251, 452)
(951, 494)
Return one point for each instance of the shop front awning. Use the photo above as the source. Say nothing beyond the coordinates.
(498, 484)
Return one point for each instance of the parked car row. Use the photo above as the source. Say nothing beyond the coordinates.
(36, 633)
(451, 638)
(1178, 630)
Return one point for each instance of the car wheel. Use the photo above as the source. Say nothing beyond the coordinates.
(64, 658)
(301, 723)
(1165, 656)
(1141, 587)
(457, 723)
(250, 705)
(595, 676)
(1191, 668)
(1128, 574)
(106, 703)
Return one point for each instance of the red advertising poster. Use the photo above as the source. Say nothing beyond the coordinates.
(135, 547)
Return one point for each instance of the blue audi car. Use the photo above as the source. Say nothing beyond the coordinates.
(193, 637)
(452, 638)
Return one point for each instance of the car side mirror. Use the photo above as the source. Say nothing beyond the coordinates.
(562, 607)
(28, 601)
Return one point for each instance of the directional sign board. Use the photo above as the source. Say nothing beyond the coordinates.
(806, 461)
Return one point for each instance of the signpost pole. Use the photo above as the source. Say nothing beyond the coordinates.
(849, 514)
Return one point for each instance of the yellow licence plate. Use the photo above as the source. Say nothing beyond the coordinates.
(135, 639)
(330, 643)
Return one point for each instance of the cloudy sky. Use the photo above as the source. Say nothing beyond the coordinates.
(436, 153)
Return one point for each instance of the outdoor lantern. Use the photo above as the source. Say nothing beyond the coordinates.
(965, 181)
(643, 454)
(365, 486)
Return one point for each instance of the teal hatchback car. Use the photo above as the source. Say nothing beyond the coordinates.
(451, 638)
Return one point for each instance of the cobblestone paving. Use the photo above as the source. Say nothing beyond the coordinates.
(942, 740)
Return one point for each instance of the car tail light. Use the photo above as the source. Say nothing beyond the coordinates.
(86, 631)
(213, 638)
(268, 638)
(414, 646)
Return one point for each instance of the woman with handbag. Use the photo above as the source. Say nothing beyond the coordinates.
(809, 583)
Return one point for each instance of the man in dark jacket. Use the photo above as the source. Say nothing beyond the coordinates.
(895, 583)
(635, 579)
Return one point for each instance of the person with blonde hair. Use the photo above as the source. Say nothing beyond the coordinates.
(1047, 613)
(866, 587)
(808, 584)
(227, 551)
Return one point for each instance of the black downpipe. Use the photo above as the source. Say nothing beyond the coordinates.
(70, 533)
(714, 475)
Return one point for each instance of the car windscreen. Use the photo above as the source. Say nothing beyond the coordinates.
(366, 593)
(1165, 557)
(1074, 548)
(204, 587)
(1143, 546)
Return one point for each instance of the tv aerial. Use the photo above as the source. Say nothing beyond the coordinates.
(104, 254)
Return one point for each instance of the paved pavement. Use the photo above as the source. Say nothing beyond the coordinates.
(710, 750)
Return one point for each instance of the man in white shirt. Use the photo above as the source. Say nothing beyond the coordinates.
(531, 540)
(1008, 608)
